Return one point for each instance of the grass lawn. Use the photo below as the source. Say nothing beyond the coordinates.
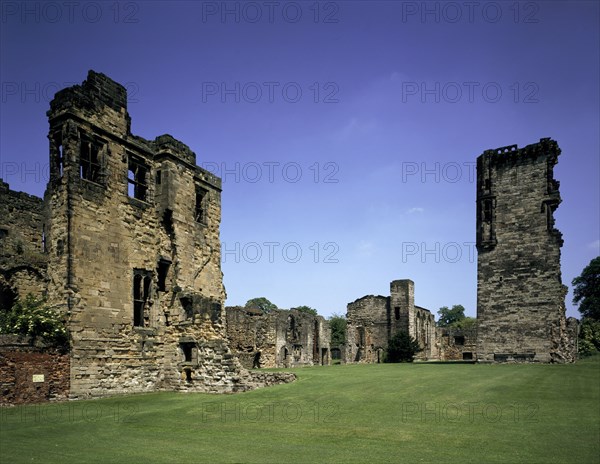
(410, 413)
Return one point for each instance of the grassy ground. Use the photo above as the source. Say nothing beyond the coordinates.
(368, 413)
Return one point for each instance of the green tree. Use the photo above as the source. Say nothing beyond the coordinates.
(448, 317)
(338, 326)
(306, 309)
(261, 303)
(589, 337)
(467, 323)
(586, 290)
(31, 316)
(402, 348)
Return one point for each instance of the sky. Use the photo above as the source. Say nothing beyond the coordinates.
(345, 132)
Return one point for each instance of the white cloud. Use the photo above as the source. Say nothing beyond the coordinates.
(365, 249)
(415, 210)
(594, 245)
(356, 127)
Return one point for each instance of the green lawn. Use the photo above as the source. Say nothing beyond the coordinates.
(432, 413)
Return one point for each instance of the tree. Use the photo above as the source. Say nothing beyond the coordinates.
(261, 303)
(338, 325)
(589, 337)
(402, 348)
(448, 317)
(306, 309)
(467, 323)
(586, 290)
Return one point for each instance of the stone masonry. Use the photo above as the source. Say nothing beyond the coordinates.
(373, 320)
(284, 338)
(129, 229)
(520, 295)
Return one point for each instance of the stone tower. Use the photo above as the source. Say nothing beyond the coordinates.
(132, 237)
(520, 295)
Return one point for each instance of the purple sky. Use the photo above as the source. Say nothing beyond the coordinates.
(345, 131)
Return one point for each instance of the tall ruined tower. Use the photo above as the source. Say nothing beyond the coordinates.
(520, 295)
(132, 237)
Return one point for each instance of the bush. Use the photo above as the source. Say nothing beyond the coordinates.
(402, 348)
(589, 337)
(32, 317)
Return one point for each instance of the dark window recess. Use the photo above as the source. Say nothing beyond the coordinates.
(89, 160)
(188, 306)
(467, 356)
(163, 272)
(188, 351)
(201, 200)
(3, 233)
(167, 222)
(159, 177)
(397, 312)
(487, 210)
(487, 184)
(7, 297)
(142, 283)
(58, 155)
(459, 340)
(137, 173)
(188, 375)
(60, 247)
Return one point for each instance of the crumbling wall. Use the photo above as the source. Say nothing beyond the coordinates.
(373, 320)
(520, 295)
(132, 238)
(284, 338)
(458, 344)
(22, 240)
(31, 374)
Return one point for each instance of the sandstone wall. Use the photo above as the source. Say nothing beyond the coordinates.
(284, 338)
(520, 296)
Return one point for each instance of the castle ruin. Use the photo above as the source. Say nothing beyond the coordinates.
(126, 245)
(280, 338)
(520, 295)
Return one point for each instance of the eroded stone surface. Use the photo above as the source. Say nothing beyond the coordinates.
(520, 295)
(284, 338)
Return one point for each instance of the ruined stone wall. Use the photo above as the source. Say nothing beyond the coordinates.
(22, 258)
(134, 251)
(458, 344)
(30, 374)
(284, 338)
(520, 296)
(368, 329)
(373, 320)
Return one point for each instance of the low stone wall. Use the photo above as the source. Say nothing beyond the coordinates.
(267, 379)
(28, 374)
